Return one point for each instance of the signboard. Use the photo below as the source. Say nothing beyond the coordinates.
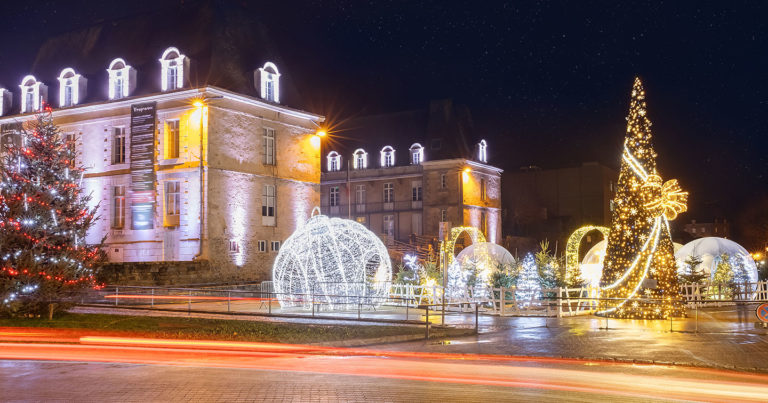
(762, 312)
(143, 126)
(10, 135)
(443, 229)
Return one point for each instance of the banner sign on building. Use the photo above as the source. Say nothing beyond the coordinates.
(10, 136)
(143, 126)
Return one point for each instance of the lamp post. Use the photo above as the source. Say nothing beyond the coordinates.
(200, 104)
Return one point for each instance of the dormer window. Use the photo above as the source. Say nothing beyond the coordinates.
(33, 94)
(417, 154)
(360, 159)
(71, 88)
(387, 157)
(334, 161)
(174, 66)
(122, 79)
(5, 101)
(269, 82)
(482, 151)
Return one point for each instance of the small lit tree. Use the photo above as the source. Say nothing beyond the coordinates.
(692, 272)
(44, 218)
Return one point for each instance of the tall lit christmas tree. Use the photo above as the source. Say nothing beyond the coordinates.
(43, 222)
(639, 275)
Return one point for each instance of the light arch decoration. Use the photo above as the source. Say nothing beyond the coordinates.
(417, 154)
(334, 161)
(33, 94)
(174, 68)
(333, 261)
(71, 87)
(122, 79)
(446, 248)
(387, 157)
(269, 82)
(360, 159)
(572, 270)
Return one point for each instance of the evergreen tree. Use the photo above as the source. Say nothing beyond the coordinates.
(43, 222)
(692, 272)
(639, 260)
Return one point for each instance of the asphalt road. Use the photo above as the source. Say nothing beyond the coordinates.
(106, 369)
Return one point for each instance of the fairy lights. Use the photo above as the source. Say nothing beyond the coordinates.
(639, 265)
(572, 270)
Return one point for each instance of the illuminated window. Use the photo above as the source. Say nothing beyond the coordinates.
(118, 207)
(71, 88)
(334, 161)
(262, 246)
(118, 145)
(360, 157)
(484, 223)
(268, 201)
(69, 139)
(482, 189)
(173, 65)
(34, 94)
(269, 146)
(172, 139)
(387, 156)
(172, 203)
(122, 79)
(389, 192)
(417, 154)
(482, 151)
(269, 82)
(334, 196)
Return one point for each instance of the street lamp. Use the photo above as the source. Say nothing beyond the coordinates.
(200, 104)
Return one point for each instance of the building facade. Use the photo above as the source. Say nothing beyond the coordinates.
(719, 228)
(182, 172)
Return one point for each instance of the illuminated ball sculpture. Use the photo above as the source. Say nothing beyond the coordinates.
(338, 263)
(475, 264)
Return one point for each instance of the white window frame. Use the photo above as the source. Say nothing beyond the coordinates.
(360, 159)
(172, 57)
(172, 148)
(269, 87)
(34, 91)
(417, 191)
(388, 196)
(118, 145)
(262, 246)
(333, 196)
(118, 207)
(417, 154)
(334, 161)
(482, 151)
(121, 79)
(269, 205)
(387, 157)
(172, 207)
(274, 246)
(234, 246)
(269, 142)
(70, 84)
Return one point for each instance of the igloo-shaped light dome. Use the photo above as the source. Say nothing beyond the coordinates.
(478, 260)
(592, 264)
(338, 261)
(709, 249)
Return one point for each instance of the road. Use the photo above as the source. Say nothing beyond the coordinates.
(130, 369)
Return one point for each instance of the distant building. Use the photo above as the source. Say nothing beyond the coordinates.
(552, 203)
(404, 174)
(719, 228)
(183, 168)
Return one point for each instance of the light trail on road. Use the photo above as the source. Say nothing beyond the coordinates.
(553, 374)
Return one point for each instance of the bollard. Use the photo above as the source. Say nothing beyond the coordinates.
(358, 308)
(406, 310)
(697, 318)
(269, 305)
(152, 301)
(189, 303)
(229, 297)
(426, 321)
(546, 318)
(117, 294)
(313, 308)
(477, 321)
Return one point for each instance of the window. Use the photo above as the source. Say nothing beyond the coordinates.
(172, 203)
(34, 94)
(275, 246)
(482, 189)
(118, 145)
(442, 181)
(269, 146)
(334, 161)
(443, 215)
(70, 84)
(172, 139)
(262, 245)
(118, 207)
(360, 198)
(416, 191)
(388, 225)
(268, 201)
(121, 79)
(389, 192)
(360, 219)
(484, 223)
(482, 151)
(173, 64)
(334, 196)
(417, 154)
(69, 138)
(360, 158)
(234, 246)
(387, 157)
(270, 82)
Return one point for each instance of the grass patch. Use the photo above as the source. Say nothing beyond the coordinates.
(218, 329)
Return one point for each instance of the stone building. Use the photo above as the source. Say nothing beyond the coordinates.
(404, 174)
(190, 157)
(719, 228)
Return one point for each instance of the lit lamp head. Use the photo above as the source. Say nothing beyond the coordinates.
(198, 103)
(465, 174)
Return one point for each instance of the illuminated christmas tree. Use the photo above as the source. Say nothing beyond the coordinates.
(44, 217)
(639, 277)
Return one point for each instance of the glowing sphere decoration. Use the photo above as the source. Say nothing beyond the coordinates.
(474, 265)
(709, 250)
(338, 263)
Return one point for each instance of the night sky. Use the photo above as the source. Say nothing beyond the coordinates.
(548, 83)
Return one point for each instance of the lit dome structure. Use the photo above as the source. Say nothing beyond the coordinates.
(479, 259)
(335, 260)
(709, 249)
(592, 264)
